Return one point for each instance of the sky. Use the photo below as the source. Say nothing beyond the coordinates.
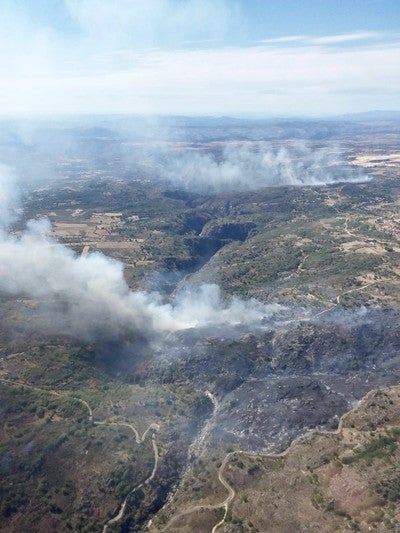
(199, 57)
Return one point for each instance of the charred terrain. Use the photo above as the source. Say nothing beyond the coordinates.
(289, 293)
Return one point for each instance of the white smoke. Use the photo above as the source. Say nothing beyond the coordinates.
(88, 297)
(245, 168)
(9, 197)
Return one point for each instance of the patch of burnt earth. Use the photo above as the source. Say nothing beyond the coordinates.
(266, 415)
(274, 386)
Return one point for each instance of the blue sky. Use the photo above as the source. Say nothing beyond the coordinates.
(287, 57)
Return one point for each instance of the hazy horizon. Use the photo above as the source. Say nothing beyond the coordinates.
(375, 114)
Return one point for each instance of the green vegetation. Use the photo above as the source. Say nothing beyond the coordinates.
(382, 447)
(389, 486)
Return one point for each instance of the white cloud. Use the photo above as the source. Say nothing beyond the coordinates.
(151, 22)
(340, 39)
(346, 37)
(278, 80)
(285, 39)
(117, 63)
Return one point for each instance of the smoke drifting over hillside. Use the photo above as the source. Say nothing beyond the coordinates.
(88, 298)
(244, 168)
(173, 152)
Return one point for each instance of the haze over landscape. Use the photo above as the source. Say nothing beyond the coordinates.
(199, 266)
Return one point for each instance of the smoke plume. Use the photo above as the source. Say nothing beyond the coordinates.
(245, 168)
(88, 297)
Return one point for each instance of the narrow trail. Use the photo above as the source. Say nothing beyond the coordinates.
(21, 384)
(337, 299)
(299, 268)
(123, 506)
(348, 232)
(229, 488)
(190, 510)
(343, 294)
(138, 439)
(346, 229)
(361, 236)
(373, 239)
(154, 427)
(51, 392)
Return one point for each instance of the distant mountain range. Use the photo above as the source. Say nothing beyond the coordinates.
(370, 115)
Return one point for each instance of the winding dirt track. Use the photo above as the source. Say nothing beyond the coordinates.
(139, 440)
(231, 490)
(373, 239)
(51, 392)
(346, 292)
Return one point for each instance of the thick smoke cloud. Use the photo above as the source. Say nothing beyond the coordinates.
(245, 168)
(88, 298)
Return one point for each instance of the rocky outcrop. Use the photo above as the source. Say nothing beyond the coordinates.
(221, 229)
